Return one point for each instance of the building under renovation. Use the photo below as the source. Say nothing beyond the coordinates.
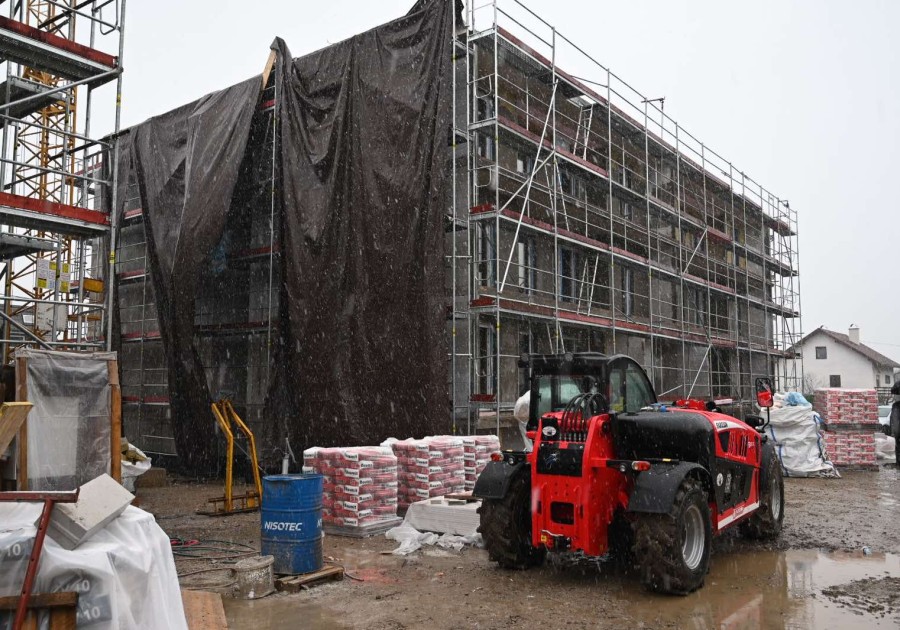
(588, 220)
(521, 198)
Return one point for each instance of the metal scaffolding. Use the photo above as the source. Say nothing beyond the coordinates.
(54, 232)
(586, 219)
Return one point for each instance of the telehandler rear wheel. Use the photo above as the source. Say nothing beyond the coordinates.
(766, 521)
(506, 527)
(672, 550)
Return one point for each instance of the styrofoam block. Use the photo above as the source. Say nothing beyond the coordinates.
(100, 501)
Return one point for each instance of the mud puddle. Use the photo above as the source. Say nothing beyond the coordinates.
(793, 589)
(279, 612)
(789, 590)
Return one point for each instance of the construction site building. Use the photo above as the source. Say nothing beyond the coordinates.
(580, 218)
(586, 219)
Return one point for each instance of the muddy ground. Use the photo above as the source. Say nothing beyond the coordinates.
(837, 564)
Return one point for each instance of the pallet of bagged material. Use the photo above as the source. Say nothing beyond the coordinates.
(296, 583)
(365, 531)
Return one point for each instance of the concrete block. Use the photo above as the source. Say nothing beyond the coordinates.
(153, 478)
(100, 501)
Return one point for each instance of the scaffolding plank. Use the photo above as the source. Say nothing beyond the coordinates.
(49, 216)
(15, 245)
(39, 49)
(19, 88)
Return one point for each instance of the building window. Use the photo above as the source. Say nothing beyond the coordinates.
(569, 263)
(834, 380)
(627, 291)
(485, 360)
(524, 348)
(485, 144)
(487, 256)
(878, 380)
(623, 209)
(888, 379)
(821, 352)
(524, 163)
(527, 259)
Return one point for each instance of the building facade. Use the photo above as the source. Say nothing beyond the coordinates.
(585, 219)
(833, 359)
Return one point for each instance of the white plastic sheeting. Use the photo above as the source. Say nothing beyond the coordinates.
(411, 539)
(520, 413)
(124, 575)
(69, 426)
(795, 431)
(885, 446)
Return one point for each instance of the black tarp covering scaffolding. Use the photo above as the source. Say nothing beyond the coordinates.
(362, 129)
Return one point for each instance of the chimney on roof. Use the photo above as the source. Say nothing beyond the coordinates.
(854, 333)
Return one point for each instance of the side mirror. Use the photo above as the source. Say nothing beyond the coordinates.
(764, 392)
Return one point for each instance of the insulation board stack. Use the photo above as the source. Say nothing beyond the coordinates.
(850, 448)
(431, 467)
(852, 419)
(847, 406)
(477, 453)
(359, 488)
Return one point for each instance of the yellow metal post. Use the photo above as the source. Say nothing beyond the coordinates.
(225, 415)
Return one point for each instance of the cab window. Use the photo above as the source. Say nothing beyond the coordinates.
(629, 390)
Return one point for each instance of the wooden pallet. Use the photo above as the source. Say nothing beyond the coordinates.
(62, 607)
(203, 610)
(296, 583)
(375, 529)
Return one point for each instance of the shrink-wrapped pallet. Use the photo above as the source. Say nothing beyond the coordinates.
(360, 486)
(478, 450)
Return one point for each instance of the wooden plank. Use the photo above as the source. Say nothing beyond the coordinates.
(295, 583)
(64, 618)
(467, 497)
(41, 600)
(203, 610)
(63, 609)
(12, 416)
(22, 444)
(270, 63)
(115, 419)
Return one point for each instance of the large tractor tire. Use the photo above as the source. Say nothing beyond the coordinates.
(895, 431)
(506, 527)
(672, 550)
(765, 523)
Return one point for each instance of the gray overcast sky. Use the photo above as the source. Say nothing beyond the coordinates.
(802, 95)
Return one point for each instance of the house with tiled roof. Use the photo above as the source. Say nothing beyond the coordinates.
(833, 359)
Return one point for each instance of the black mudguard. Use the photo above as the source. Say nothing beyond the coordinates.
(494, 480)
(768, 450)
(654, 489)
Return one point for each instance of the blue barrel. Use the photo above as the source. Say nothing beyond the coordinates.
(291, 520)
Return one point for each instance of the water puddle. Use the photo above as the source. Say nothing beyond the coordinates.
(279, 612)
(795, 589)
(764, 589)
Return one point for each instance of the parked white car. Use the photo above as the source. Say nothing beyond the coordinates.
(884, 415)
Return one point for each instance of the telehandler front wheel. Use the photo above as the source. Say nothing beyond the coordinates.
(506, 527)
(672, 550)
